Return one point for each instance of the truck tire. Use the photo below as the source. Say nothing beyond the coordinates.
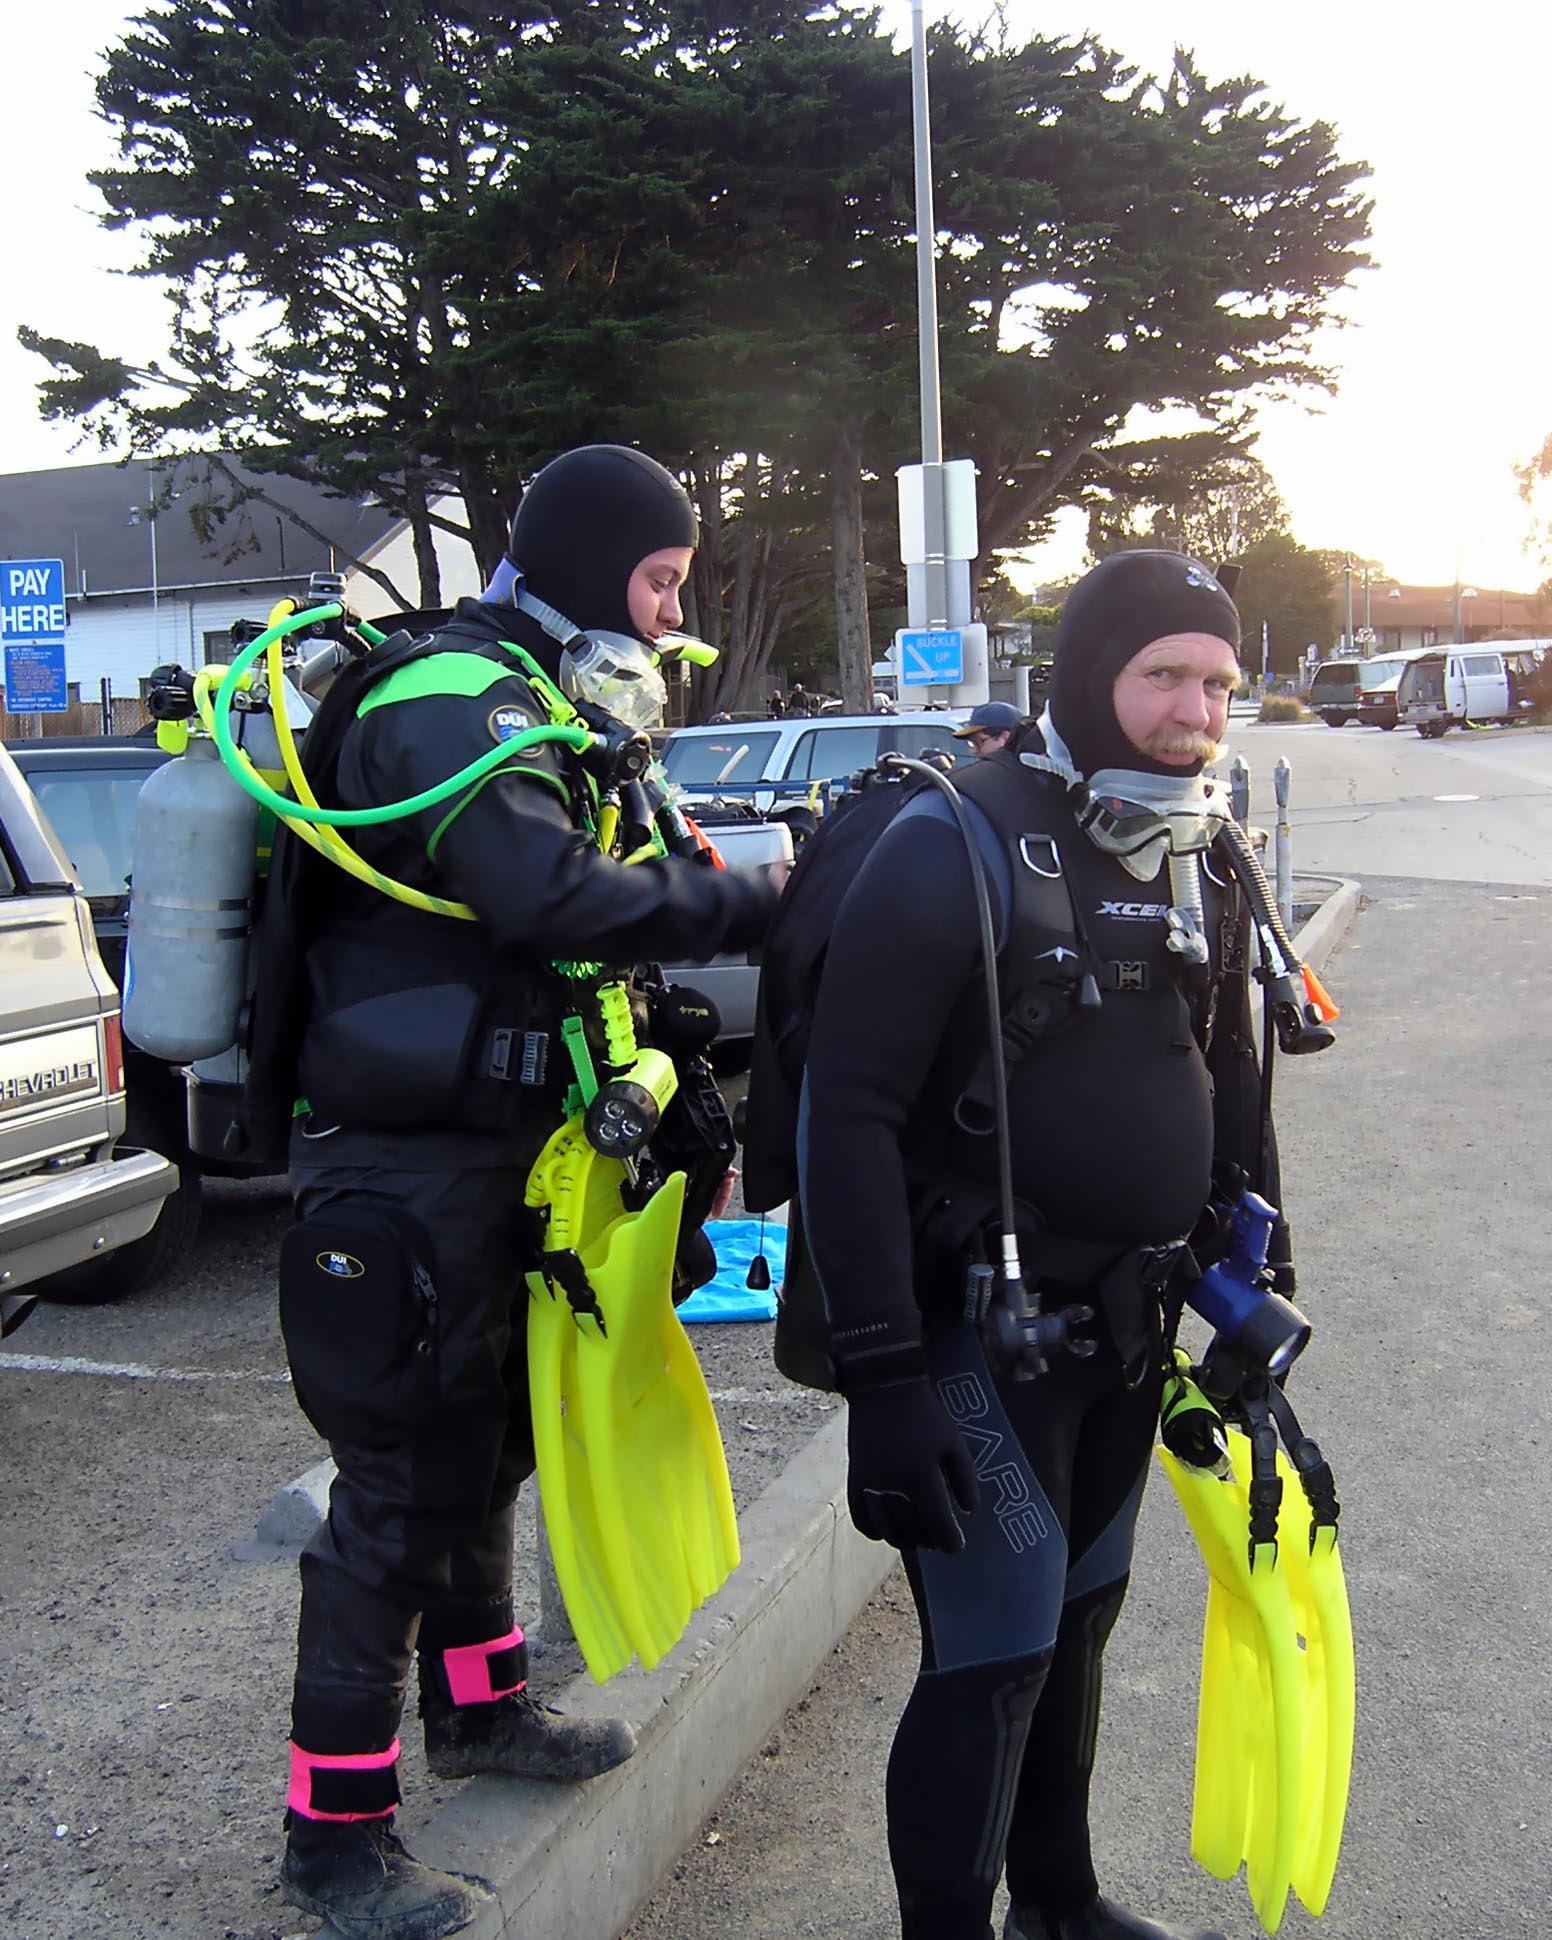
(165, 1249)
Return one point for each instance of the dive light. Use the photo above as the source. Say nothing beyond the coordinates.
(625, 1111)
(1261, 1330)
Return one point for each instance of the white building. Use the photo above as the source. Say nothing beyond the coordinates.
(143, 588)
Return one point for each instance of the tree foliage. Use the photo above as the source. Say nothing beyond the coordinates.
(1287, 587)
(415, 247)
(1535, 482)
(1213, 513)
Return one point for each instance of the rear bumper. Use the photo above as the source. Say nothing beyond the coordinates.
(51, 1223)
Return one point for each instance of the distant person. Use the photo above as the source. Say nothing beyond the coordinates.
(989, 728)
(798, 705)
(778, 707)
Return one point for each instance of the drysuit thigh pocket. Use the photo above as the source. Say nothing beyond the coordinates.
(358, 1311)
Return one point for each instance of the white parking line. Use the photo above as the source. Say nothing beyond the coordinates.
(133, 1371)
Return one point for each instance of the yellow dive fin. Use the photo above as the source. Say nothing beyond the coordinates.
(632, 1475)
(1276, 1707)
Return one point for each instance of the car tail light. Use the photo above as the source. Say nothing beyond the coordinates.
(113, 1046)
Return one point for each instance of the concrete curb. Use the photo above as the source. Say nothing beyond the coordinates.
(1319, 937)
(576, 1863)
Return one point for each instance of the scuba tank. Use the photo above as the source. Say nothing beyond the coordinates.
(190, 907)
(200, 844)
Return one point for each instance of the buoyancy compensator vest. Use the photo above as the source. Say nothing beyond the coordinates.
(333, 960)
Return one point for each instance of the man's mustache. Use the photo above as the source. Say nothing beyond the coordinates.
(1196, 747)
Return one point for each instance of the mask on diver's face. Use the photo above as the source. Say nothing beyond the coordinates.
(1141, 818)
(616, 673)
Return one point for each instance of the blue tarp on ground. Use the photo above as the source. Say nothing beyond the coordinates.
(729, 1297)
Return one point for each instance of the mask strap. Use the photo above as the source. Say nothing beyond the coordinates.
(555, 623)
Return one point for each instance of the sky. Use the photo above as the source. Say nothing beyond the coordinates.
(1445, 361)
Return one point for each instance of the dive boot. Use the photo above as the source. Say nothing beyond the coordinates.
(1096, 1919)
(517, 1737)
(357, 1875)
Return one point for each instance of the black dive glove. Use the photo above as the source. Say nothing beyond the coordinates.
(908, 1467)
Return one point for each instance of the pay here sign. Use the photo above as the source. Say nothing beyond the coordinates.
(32, 630)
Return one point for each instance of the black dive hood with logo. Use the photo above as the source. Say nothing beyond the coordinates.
(1128, 601)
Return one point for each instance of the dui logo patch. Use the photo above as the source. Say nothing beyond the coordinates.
(343, 1266)
(504, 722)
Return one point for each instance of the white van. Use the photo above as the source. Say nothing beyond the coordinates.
(1467, 683)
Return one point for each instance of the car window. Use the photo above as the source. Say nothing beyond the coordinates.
(915, 738)
(93, 814)
(7, 878)
(1337, 673)
(1380, 673)
(1481, 663)
(738, 755)
(826, 754)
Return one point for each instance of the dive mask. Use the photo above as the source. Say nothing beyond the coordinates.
(616, 673)
(1142, 818)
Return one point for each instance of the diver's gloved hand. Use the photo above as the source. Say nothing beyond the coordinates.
(908, 1468)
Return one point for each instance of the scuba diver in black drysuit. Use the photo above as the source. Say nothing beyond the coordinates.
(430, 1053)
(1014, 1500)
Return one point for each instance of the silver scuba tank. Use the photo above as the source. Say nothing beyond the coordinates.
(192, 885)
(190, 907)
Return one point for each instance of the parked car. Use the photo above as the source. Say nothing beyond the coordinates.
(88, 788)
(79, 1201)
(777, 764)
(1379, 680)
(1467, 683)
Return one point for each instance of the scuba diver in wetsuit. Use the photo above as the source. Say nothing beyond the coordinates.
(430, 1054)
(1013, 1501)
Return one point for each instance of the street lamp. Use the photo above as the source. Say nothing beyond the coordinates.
(1462, 593)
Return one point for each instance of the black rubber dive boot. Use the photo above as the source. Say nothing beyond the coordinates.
(1096, 1919)
(357, 1875)
(517, 1737)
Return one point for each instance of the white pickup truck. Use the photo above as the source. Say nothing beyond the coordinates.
(70, 1192)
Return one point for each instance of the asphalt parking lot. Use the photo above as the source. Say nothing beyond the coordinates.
(143, 1700)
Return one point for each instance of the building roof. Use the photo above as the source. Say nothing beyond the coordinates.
(1483, 609)
(94, 518)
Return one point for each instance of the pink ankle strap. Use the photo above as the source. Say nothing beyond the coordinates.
(344, 1786)
(481, 1673)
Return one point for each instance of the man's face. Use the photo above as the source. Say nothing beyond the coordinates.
(1171, 700)
(984, 743)
(652, 596)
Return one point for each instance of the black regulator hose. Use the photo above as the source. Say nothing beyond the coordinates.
(1300, 1025)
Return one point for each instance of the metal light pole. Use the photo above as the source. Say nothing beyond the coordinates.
(935, 572)
(926, 231)
(1347, 573)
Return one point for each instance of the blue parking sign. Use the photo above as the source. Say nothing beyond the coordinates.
(932, 657)
(32, 629)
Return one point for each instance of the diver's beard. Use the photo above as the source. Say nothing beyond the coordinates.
(1165, 746)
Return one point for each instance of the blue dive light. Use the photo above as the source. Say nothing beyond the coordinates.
(1263, 1331)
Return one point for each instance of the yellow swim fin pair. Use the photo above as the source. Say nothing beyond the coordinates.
(632, 1475)
(1275, 1716)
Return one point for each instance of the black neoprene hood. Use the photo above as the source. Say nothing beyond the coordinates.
(585, 524)
(1128, 601)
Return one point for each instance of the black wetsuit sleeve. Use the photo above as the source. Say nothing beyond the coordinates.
(900, 962)
(1242, 1137)
(509, 849)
